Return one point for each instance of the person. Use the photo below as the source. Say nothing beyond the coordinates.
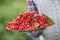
(50, 8)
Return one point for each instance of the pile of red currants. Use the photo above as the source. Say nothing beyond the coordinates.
(28, 21)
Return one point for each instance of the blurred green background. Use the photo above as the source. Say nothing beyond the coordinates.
(9, 9)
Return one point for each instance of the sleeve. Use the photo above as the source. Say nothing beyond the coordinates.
(31, 6)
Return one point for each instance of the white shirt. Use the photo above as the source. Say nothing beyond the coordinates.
(50, 8)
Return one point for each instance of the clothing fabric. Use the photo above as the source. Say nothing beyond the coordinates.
(31, 6)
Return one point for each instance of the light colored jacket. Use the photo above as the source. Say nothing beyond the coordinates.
(52, 9)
